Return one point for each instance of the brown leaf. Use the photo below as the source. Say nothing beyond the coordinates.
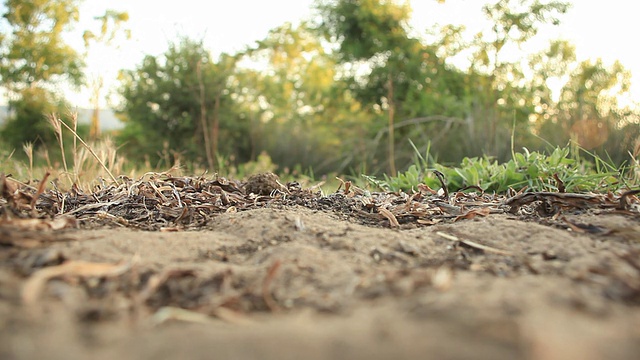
(8, 187)
(559, 183)
(424, 188)
(393, 222)
(10, 190)
(473, 213)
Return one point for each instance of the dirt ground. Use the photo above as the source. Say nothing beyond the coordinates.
(293, 281)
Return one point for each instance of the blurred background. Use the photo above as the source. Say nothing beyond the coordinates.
(320, 87)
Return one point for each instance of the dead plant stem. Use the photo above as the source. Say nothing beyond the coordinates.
(91, 151)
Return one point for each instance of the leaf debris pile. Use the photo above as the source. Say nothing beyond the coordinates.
(159, 201)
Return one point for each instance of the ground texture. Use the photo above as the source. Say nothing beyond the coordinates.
(167, 267)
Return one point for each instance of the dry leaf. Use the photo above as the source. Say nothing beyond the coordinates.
(473, 213)
(393, 222)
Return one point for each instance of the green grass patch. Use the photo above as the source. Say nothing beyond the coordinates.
(570, 167)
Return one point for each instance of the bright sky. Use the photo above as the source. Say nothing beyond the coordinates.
(598, 29)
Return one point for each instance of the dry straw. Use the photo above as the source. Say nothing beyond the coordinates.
(57, 124)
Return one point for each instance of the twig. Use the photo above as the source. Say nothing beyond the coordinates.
(475, 244)
(566, 199)
(440, 177)
(623, 199)
(55, 122)
(39, 192)
(88, 207)
(559, 183)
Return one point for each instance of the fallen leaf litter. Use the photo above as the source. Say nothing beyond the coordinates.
(160, 201)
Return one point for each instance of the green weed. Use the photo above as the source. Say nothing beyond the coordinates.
(570, 167)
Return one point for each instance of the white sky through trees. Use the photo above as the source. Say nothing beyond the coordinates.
(598, 29)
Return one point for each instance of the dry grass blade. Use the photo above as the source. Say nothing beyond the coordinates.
(74, 123)
(28, 239)
(443, 183)
(106, 169)
(28, 149)
(559, 183)
(90, 207)
(39, 192)
(57, 129)
(160, 279)
(231, 316)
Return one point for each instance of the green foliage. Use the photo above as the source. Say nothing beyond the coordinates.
(519, 21)
(28, 122)
(171, 102)
(35, 53)
(110, 25)
(588, 111)
(33, 56)
(330, 95)
(500, 91)
(532, 170)
(393, 75)
(299, 113)
(364, 28)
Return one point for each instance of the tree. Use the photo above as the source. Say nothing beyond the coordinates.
(300, 114)
(178, 102)
(27, 121)
(372, 31)
(500, 86)
(391, 72)
(588, 110)
(33, 56)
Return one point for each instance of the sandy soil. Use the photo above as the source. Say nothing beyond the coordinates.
(292, 283)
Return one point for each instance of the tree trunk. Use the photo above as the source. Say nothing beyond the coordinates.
(203, 120)
(216, 126)
(392, 110)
